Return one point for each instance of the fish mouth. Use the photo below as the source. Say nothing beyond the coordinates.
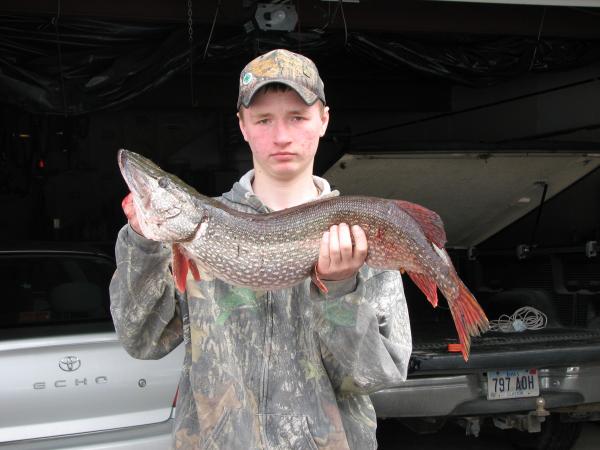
(137, 171)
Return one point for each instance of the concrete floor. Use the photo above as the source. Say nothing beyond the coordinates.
(590, 437)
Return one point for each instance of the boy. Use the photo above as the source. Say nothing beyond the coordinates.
(286, 369)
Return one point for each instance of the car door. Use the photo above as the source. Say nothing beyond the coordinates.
(63, 368)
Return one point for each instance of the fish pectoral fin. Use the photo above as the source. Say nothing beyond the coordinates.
(179, 267)
(427, 286)
(317, 280)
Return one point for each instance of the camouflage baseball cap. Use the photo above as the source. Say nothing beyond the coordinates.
(281, 66)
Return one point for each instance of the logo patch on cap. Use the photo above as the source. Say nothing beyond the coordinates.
(247, 78)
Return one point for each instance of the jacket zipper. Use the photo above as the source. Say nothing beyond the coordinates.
(264, 381)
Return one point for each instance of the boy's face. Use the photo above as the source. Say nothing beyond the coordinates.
(283, 133)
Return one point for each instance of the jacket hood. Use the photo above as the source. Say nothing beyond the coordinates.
(242, 193)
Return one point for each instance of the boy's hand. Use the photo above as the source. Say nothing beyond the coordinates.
(339, 257)
(129, 210)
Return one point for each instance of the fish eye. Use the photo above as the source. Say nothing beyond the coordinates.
(163, 182)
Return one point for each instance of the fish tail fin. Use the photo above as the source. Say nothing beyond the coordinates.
(469, 318)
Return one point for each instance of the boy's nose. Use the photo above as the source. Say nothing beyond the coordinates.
(281, 136)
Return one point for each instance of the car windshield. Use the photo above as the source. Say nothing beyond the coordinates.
(54, 288)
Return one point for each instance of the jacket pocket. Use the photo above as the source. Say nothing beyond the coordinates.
(286, 432)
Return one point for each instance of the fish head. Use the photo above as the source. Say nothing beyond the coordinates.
(166, 207)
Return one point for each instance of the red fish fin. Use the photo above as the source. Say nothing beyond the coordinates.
(317, 281)
(180, 268)
(427, 286)
(429, 221)
(469, 318)
(194, 270)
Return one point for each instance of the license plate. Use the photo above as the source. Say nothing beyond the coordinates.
(513, 383)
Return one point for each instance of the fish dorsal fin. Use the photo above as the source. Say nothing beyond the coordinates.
(429, 221)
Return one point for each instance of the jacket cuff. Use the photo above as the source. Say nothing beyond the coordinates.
(143, 243)
(341, 287)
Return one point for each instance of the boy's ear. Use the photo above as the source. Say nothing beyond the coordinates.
(324, 120)
(242, 125)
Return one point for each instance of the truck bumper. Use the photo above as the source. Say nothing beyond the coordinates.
(466, 394)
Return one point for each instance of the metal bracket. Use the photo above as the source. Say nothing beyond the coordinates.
(472, 253)
(522, 422)
(591, 249)
(523, 251)
(472, 426)
(279, 17)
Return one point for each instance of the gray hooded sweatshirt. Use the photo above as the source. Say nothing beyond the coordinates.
(286, 369)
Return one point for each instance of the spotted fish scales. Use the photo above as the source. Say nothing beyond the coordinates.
(280, 249)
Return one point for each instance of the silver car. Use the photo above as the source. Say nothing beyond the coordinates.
(66, 381)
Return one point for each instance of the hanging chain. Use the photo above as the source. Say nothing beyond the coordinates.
(537, 44)
(55, 21)
(190, 23)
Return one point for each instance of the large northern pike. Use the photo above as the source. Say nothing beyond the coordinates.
(280, 249)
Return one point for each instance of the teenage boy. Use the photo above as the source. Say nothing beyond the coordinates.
(285, 369)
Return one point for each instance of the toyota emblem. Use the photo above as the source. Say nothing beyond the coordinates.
(69, 363)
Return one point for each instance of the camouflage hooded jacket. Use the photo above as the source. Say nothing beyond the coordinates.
(286, 369)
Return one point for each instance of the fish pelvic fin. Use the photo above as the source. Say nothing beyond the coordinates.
(469, 318)
(181, 265)
(429, 221)
(194, 270)
(427, 286)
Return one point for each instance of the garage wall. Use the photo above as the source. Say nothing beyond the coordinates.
(566, 101)
(81, 186)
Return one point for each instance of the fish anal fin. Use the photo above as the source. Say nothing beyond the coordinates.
(427, 286)
(180, 267)
(429, 221)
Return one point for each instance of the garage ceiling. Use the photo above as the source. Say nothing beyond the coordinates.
(70, 57)
(390, 16)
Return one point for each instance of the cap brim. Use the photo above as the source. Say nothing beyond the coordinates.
(305, 94)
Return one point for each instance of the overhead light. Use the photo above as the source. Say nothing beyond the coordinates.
(276, 17)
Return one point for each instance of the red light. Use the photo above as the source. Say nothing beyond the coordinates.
(41, 164)
(175, 399)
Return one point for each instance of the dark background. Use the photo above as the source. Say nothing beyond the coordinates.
(78, 81)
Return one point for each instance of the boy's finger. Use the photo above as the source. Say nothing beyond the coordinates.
(345, 240)
(360, 243)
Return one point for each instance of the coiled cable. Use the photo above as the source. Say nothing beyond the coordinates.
(524, 318)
